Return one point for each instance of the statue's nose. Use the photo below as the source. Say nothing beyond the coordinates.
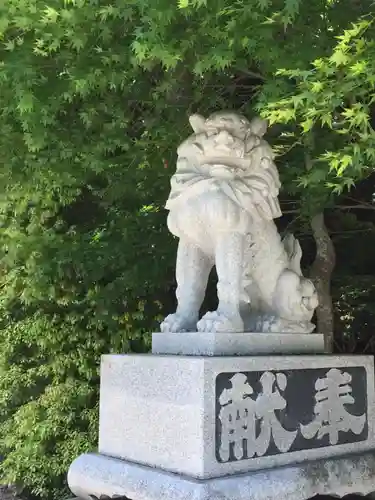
(224, 136)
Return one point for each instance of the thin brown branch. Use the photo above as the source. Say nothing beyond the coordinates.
(251, 74)
(339, 207)
(362, 206)
(364, 203)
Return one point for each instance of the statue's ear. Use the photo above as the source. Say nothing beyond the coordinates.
(258, 126)
(197, 123)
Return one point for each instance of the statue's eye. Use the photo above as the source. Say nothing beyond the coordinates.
(198, 146)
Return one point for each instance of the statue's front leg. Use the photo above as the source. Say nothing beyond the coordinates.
(229, 266)
(192, 270)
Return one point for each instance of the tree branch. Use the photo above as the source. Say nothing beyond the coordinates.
(339, 207)
(321, 272)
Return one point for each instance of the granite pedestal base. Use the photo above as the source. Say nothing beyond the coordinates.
(232, 427)
(98, 475)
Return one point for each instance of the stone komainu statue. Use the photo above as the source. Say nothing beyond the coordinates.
(223, 199)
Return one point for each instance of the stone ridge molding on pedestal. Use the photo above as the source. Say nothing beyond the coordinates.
(94, 475)
(207, 417)
(222, 206)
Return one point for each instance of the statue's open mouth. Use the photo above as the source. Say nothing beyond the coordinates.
(222, 171)
(220, 163)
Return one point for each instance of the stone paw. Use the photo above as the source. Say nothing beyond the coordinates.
(216, 322)
(175, 323)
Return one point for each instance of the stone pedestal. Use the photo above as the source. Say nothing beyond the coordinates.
(206, 417)
(231, 427)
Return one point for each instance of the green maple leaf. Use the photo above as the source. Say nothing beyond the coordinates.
(339, 58)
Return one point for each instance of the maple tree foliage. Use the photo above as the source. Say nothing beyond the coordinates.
(95, 96)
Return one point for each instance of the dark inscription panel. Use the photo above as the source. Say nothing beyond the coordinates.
(268, 413)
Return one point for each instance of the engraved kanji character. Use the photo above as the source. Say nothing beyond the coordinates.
(240, 414)
(331, 416)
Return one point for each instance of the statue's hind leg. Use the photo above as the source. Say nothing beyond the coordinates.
(229, 266)
(192, 270)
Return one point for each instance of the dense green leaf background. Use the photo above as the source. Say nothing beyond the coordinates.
(94, 99)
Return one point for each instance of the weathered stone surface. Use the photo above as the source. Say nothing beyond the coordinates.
(8, 492)
(222, 206)
(99, 475)
(13, 492)
(213, 416)
(233, 344)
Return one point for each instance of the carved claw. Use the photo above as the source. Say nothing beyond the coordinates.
(176, 323)
(216, 322)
